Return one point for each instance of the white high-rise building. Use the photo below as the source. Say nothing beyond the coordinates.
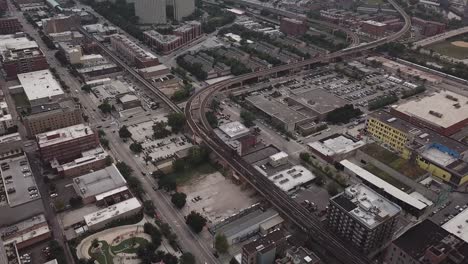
(151, 11)
(183, 8)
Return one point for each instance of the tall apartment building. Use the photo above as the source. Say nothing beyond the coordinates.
(66, 144)
(53, 116)
(9, 25)
(264, 249)
(60, 24)
(183, 8)
(132, 52)
(4, 5)
(151, 11)
(427, 243)
(363, 217)
(17, 61)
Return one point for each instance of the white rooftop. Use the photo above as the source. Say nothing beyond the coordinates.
(337, 145)
(291, 178)
(452, 107)
(371, 207)
(438, 156)
(458, 225)
(112, 211)
(375, 23)
(111, 192)
(234, 129)
(98, 182)
(159, 67)
(63, 134)
(279, 156)
(10, 138)
(10, 42)
(387, 187)
(39, 84)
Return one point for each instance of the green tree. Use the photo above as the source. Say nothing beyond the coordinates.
(124, 169)
(160, 130)
(332, 189)
(196, 221)
(86, 88)
(178, 165)
(212, 120)
(148, 207)
(165, 229)
(104, 142)
(197, 155)
(179, 199)
(247, 118)
(187, 258)
(109, 160)
(221, 243)
(176, 121)
(304, 156)
(105, 107)
(124, 132)
(136, 147)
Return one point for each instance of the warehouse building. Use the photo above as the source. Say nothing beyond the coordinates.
(101, 218)
(40, 87)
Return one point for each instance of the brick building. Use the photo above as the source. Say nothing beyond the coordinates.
(167, 43)
(16, 61)
(132, 52)
(9, 25)
(428, 28)
(293, 27)
(66, 144)
(373, 28)
(60, 24)
(90, 160)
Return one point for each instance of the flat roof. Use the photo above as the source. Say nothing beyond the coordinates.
(98, 182)
(336, 145)
(458, 225)
(245, 222)
(159, 67)
(63, 134)
(10, 137)
(279, 156)
(276, 109)
(86, 157)
(112, 211)
(320, 100)
(111, 192)
(291, 178)
(234, 129)
(444, 108)
(385, 186)
(375, 23)
(39, 84)
(13, 42)
(423, 135)
(366, 205)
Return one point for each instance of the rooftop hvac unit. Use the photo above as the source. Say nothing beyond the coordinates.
(434, 113)
(393, 119)
(83, 190)
(77, 180)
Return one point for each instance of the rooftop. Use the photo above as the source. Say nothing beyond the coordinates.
(291, 178)
(234, 129)
(385, 186)
(319, 100)
(63, 134)
(336, 144)
(112, 211)
(160, 37)
(458, 225)
(254, 218)
(9, 138)
(276, 109)
(39, 84)
(374, 23)
(271, 239)
(422, 135)
(136, 49)
(279, 156)
(98, 182)
(366, 205)
(442, 109)
(88, 156)
(16, 42)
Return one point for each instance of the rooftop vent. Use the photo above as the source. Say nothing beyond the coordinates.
(434, 113)
(450, 97)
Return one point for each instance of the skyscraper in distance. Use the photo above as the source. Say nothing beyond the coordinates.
(183, 8)
(151, 11)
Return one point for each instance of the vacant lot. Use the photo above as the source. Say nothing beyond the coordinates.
(386, 177)
(448, 48)
(392, 160)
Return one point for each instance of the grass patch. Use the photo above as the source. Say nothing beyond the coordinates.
(386, 177)
(103, 257)
(126, 246)
(392, 160)
(20, 100)
(186, 175)
(446, 48)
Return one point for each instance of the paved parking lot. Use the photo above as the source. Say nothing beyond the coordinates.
(18, 181)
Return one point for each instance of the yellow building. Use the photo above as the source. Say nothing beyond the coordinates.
(437, 154)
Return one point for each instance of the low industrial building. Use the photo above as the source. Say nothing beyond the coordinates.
(129, 101)
(247, 225)
(66, 144)
(426, 242)
(101, 218)
(440, 155)
(278, 159)
(6, 120)
(445, 112)
(335, 147)
(40, 88)
(11, 145)
(363, 217)
(280, 115)
(154, 71)
(90, 160)
(94, 183)
(406, 201)
(299, 255)
(111, 90)
(237, 136)
(26, 233)
(291, 178)
(316, 102)
(52, 116)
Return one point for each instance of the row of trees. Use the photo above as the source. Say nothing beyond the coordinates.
(382, 101)
(343, 114)
(194, 68)
(217, 18)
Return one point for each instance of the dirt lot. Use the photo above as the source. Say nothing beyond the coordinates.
(220, 197)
